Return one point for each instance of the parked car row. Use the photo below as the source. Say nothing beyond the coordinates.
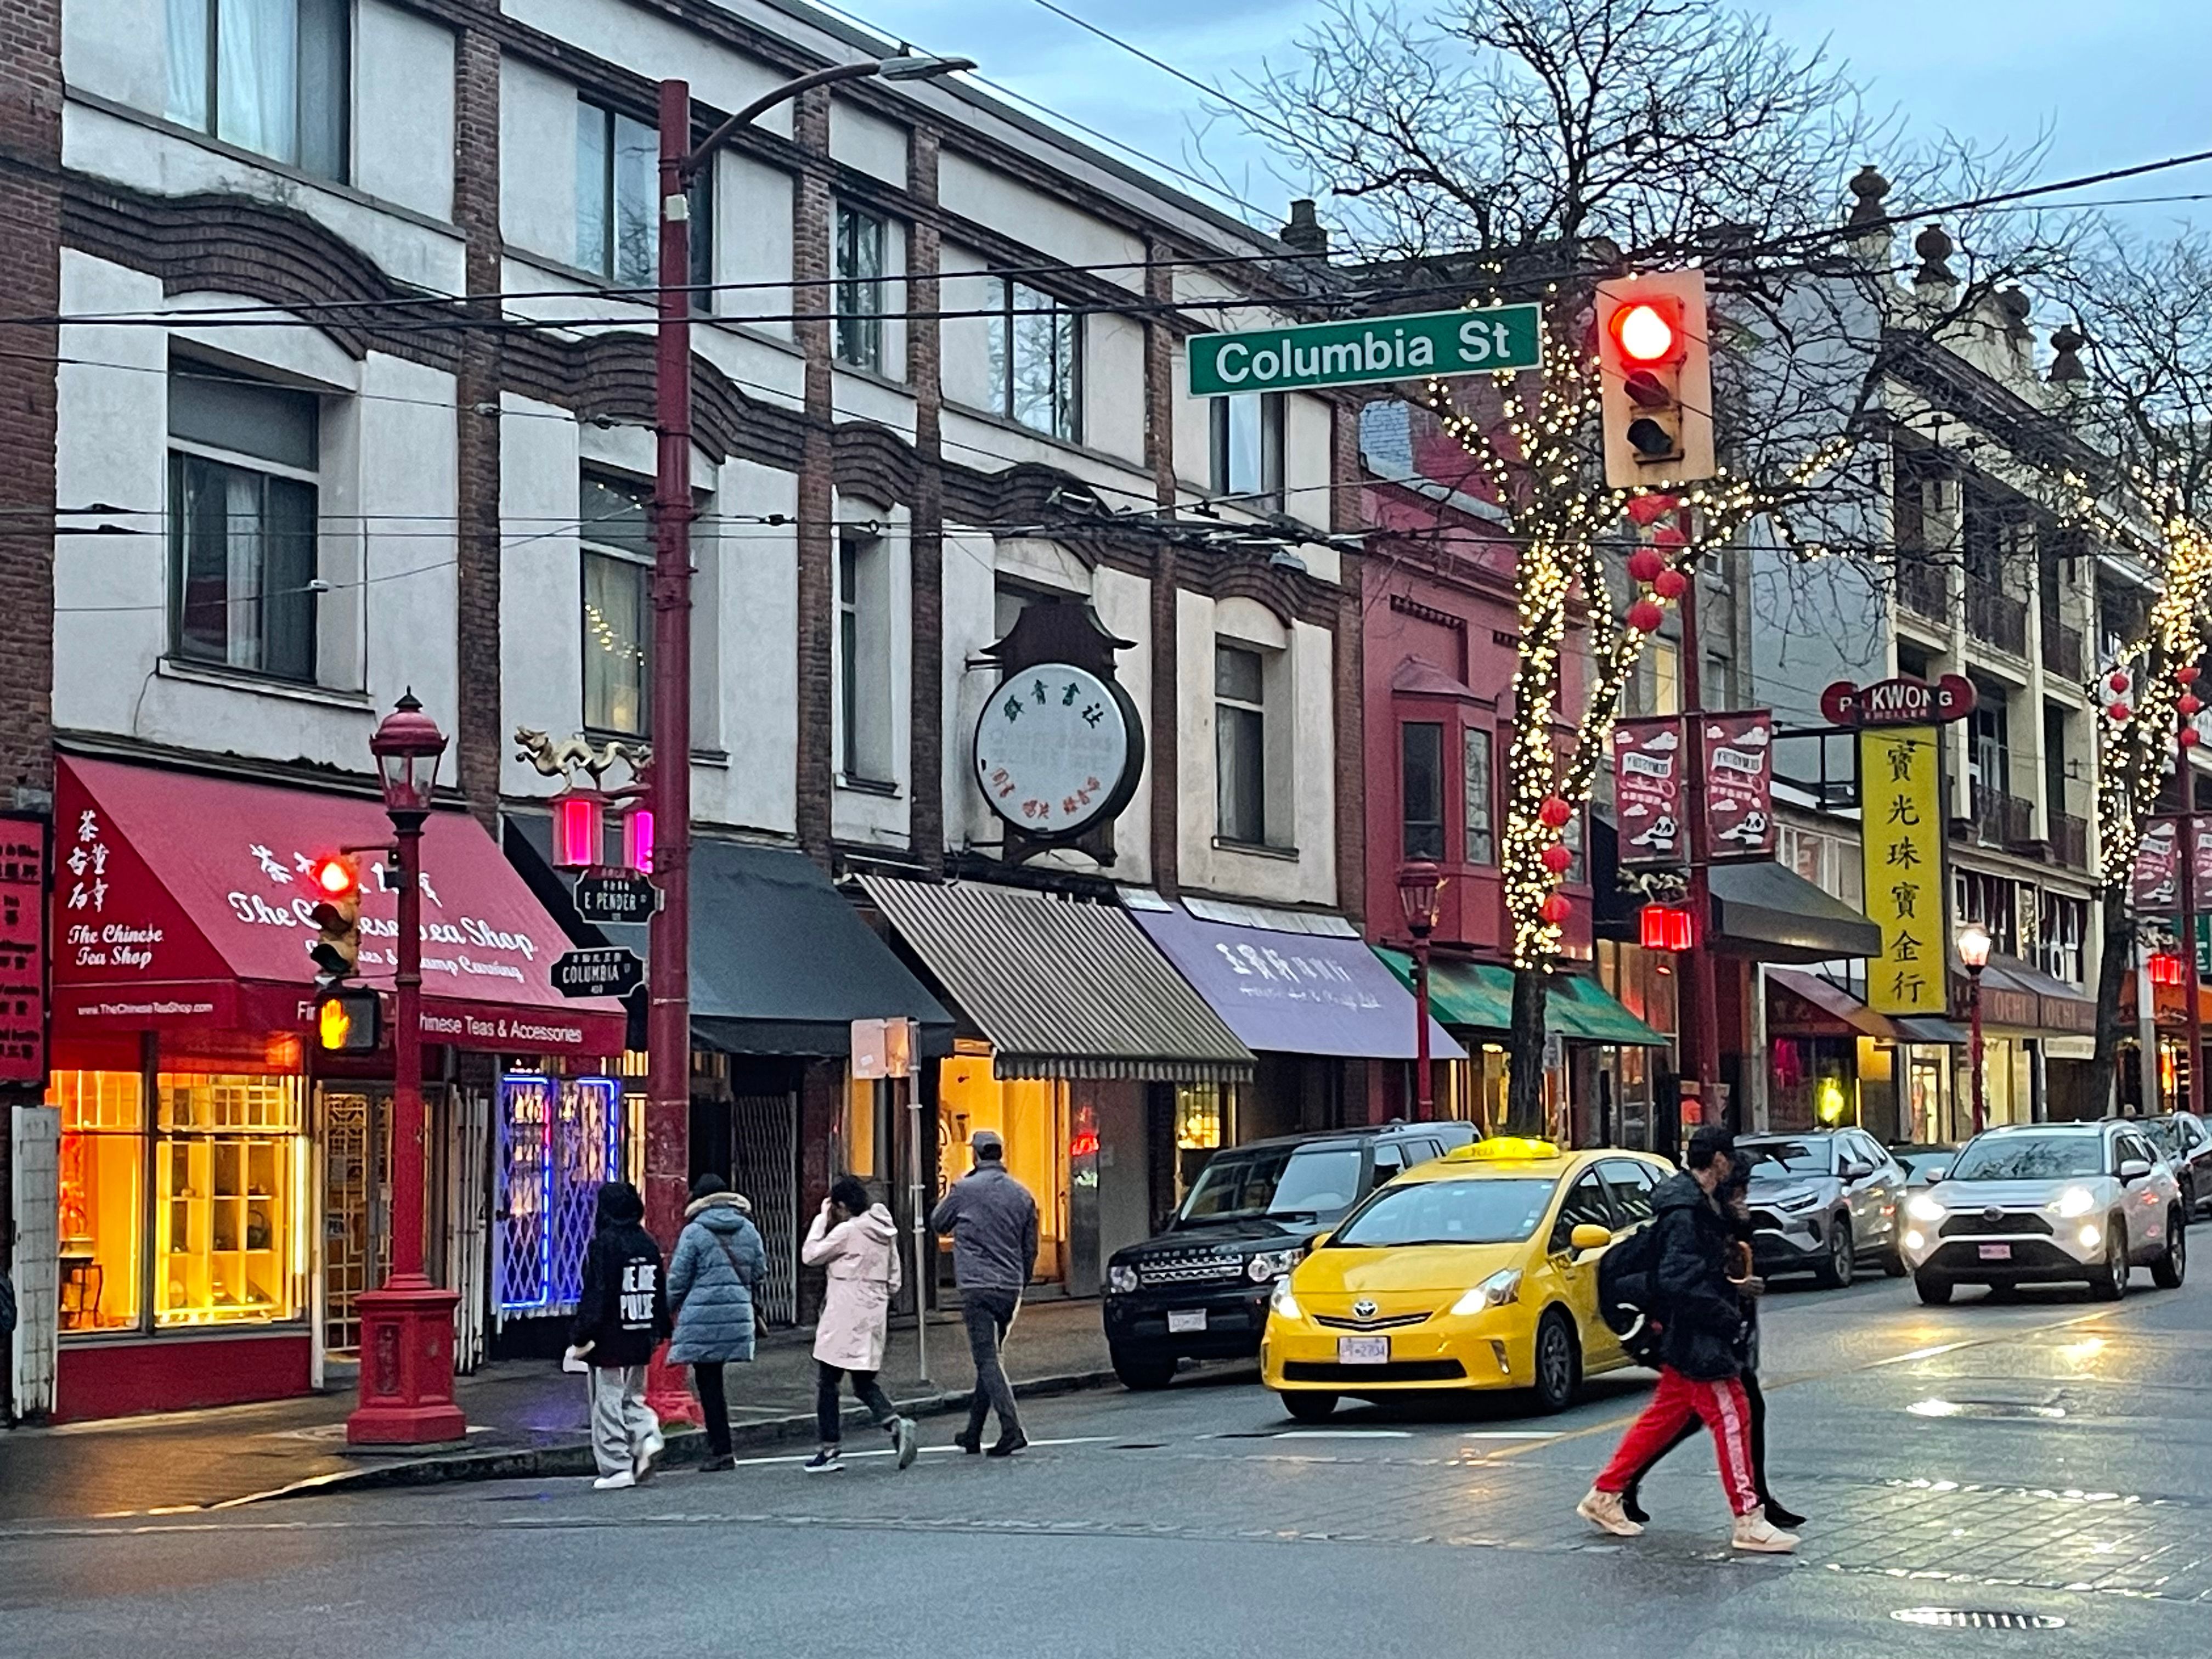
(1411, 1257)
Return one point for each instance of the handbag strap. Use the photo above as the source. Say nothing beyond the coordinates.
(729, 1255)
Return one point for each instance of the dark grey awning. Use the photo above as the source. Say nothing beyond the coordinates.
(1063, 989)
(782, 963)
(1771, 914)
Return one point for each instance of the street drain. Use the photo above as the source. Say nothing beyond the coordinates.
(1976, 1619)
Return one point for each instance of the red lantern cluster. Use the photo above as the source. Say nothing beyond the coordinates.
(2187, 705)
(2116, 689)
(1651, 567)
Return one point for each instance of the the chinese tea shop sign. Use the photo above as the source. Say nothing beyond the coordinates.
(1057, 750)
(1902, 838)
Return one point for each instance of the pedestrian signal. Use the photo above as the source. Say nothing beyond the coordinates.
(1655, 380)
(348, 1022)
(336, 916)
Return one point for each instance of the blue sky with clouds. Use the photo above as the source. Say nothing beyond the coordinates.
(2116, 82)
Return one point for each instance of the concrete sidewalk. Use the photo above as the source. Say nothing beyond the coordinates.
(525, 1418)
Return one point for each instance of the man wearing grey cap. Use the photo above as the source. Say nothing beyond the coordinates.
(994, 1224)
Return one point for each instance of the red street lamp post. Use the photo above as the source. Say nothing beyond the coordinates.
(1418, 884)
(407, 1322)
(1974, 954)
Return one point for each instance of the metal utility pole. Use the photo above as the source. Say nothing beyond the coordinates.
(1704, 1022)
(2191, 981)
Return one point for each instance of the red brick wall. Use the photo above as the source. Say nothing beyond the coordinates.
(480, 741)
(810, 263)
(1159, 452)
(925, 540)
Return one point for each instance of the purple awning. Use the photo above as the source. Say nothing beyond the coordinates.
(1299, 993)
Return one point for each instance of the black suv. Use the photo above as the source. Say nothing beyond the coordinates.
(1200, 1290)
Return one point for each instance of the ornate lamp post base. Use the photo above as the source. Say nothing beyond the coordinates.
(407, 1368)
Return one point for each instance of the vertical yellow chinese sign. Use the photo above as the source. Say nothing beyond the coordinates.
(1901, 822)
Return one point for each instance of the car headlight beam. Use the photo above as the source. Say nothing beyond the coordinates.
(1924, 1206)
(1121, 1279)
(1270, 1264)
(2074, 1201)
(1495, 1291)
(1282, 1303)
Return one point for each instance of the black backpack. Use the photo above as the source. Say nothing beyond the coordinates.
(1628, 1295)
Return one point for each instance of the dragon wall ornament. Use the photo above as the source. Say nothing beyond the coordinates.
(569, 756)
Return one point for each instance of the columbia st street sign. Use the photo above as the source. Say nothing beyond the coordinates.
(1372, 350)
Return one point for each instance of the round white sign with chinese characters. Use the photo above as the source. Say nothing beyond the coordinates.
(1053, 750)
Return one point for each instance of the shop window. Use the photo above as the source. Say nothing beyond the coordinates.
(859, 243)
(1478, 782)
(267, 75)
(1240, 735)
(1248, 449)
(618, 203)
(229, 1245)
(1572, 835)
(1036, 360)
(616, 536)
(859, 1133)
(864, 659)
(1033, 1116)
(1203, 1126)
(242, 503)
(559, 1140)
(103, 1201)
(1421, 788)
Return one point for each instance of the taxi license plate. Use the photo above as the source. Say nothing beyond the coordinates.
(1996, 1252)
(1187, 1319)
(1363, 1350)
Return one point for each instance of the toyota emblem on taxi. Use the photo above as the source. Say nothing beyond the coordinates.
(1363, 1309)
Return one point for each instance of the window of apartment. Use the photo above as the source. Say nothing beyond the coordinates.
(1477, 779)
(616, 543)
(618, 203)
(242, 556)
(1240, 744)
(267, 75)
(864, 653)
(1247, 449)
(1993, 901)
(1655, 687)
(1989, 746)
(1037, 367)
(1421, 788)
(859, 252)
(2064, 925)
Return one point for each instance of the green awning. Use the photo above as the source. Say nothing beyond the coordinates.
(1479, 996)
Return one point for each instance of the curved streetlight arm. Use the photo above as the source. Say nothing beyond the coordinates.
(894, 68)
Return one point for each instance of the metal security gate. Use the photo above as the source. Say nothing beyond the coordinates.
(466, 1248)
(356, 1247)
(36, 1191)
(559, 1140)
(764, 1130)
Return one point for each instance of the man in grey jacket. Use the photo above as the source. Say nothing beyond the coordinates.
(993, 1222)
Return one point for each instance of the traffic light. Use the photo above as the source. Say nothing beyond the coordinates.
(336, 916)
(1656, 379)
(348, 1022)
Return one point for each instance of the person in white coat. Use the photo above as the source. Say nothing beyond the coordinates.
(857, 1241)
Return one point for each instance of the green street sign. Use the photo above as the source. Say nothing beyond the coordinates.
(1372, 350)
(2204, 948)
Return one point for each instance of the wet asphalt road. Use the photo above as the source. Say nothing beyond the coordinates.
(2048, 1458)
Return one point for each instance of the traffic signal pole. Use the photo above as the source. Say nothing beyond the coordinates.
(1703, 1026)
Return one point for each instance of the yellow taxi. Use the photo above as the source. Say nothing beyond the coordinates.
(1475, 1270)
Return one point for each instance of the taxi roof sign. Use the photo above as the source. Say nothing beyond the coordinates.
(1504, 1149)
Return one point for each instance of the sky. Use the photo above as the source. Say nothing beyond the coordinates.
(2112, 84)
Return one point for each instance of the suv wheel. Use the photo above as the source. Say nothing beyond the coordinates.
(2167, 1270)
(1843, 1256)
(1559, 1363)
(1143, 1371)
(1936, 1292)
(2110, 1283)
(1310, 1408)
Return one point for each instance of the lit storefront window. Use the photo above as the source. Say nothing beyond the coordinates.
(1203, 1113)
(103, 1203)
(559, 1140)
(230, 1170)
(1033, 1115)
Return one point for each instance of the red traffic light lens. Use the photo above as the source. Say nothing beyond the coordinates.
(336, 878)
(1647, 334)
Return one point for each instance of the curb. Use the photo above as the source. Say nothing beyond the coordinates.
(686, 1445)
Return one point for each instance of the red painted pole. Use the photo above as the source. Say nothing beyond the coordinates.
(2194, 980)
(1424, 1086)
(668, 1017)
(1974, 1042)
(407, 1063)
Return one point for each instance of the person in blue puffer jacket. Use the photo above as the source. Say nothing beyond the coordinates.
(718, 1265)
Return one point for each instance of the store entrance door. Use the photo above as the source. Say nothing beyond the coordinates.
(1034, 1116)
(356, 1242)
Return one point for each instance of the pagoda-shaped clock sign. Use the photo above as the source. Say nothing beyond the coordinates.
(1060, 744)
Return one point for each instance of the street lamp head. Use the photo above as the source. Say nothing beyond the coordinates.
(408, 746)
(1974, 946)
(1419, 881)
(912, 66)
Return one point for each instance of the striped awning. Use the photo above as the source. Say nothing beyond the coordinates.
(1062, 988)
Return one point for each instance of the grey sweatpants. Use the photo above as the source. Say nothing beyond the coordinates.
(621, 1421)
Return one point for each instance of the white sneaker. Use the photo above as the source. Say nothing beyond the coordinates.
(1602, 1509)
(648, 1449)
(615, 1482)
(1755, 1532)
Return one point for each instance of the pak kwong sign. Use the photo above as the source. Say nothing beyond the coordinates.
(1900, 702)
(1438, 343)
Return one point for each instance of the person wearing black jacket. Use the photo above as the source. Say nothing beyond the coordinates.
(1700, 1374)
(622, 1316)
(1731, 1197)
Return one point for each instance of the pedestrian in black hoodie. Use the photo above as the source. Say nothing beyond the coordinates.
(622, 1316)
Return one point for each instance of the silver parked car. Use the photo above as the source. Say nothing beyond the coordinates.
(2045, 1203)
(1822, 1202)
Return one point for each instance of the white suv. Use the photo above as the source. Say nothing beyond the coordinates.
(2042, 1203)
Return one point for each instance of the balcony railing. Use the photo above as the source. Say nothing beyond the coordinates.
(2062, 651)
(1998, 619)
(2002, 820)
(1923, 590)
(2069, 840)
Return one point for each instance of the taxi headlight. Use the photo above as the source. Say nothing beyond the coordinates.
(2074, 1201)
(1270, 1264)
(1924, 1206)
(1495, 1291)
(1282, 1303)
(1121, 1279)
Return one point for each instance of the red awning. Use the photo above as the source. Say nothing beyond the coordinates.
(183, 901)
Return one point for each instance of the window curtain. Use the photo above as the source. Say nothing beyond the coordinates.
(257, 73)
(188, 62)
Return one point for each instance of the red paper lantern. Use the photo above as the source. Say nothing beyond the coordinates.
(2119, 680)
(2188, 735)
(1555, 812)
(1649, 509)
(2119, 712)
(1557, 858)
(578, 829)
(1557, 909)
(1645, 564)
(2186, 704)
(1669, 584)
(2187, 673)
(1645, 616)
(1667, 535)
